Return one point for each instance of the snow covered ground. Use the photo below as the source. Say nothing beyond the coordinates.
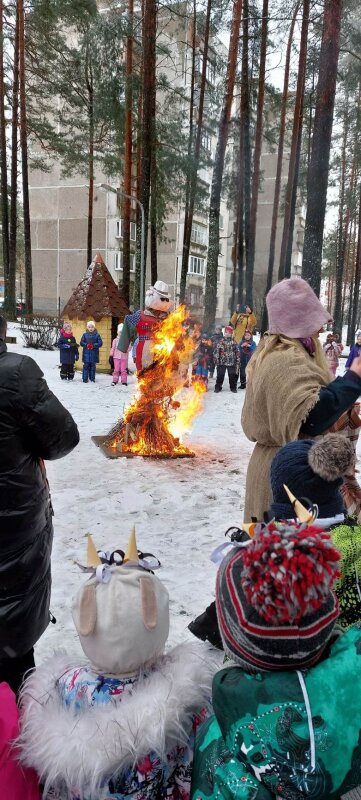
(180, 508)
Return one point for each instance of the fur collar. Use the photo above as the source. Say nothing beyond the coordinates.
(81, 750)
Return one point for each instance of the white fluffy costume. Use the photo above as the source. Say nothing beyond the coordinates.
(123, 725)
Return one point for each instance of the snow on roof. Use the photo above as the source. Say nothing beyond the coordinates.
(97, 295)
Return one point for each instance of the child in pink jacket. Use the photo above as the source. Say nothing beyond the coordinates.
(120, 364)
(333, 350)
(16, 782)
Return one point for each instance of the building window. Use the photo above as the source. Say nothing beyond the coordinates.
(218, 275)
(118, 263)
(210, 71)
(199, 234)
(206, 141)
(221, 221)
(133, 230)
(197, 266)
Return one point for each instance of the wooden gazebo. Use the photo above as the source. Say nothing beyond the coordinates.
(96, 297)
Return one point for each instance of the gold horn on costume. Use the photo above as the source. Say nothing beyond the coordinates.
(131, 553)
(93, 559)
(303, 514)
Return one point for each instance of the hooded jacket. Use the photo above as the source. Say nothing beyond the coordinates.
(288, 735)
(33, 426)
(93, 737)
(91, 342)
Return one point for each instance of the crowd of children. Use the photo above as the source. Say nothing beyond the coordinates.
(281, 719)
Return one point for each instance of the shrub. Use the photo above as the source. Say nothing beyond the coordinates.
(39, 331)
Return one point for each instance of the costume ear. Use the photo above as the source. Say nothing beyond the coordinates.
(149, 602)
(87, 610)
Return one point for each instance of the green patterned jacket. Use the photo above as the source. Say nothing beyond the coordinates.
(288, 734)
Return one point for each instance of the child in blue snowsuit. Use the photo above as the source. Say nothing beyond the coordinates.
(246, 348)
(69, 352)
(354, 352)
(91, 341)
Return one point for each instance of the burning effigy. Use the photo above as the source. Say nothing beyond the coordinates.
(163, 409)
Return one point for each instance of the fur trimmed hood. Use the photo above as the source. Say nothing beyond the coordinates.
(82, 750)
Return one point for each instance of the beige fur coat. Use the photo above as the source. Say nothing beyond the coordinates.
(282, 387)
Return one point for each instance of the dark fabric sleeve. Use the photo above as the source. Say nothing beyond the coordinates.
(334, 400)
(351, 356)
(48, 428)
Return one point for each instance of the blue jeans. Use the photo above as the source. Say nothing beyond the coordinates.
(88, 372)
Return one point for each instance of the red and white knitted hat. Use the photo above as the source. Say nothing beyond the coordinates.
(275, 605)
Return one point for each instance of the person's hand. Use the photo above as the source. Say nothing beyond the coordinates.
(356, 366)
(89, 346)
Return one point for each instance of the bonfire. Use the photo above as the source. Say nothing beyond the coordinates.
(163, 409)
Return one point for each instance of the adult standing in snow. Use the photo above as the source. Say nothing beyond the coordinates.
(242, 320)
(290, 392)
(33, 426)
(91, 342)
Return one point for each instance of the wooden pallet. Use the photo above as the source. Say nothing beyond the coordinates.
(110, 452)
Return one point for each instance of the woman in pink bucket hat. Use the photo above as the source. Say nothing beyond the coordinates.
(290, 392)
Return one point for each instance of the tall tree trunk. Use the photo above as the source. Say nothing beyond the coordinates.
(317, 178)
(245, 122)
(187, 229)
(343, 233)
(153, 223)
(14, 171)
(128, 145)
(195, 160)
(276, 198)
(24, 162)
(90, 90)
(148, 92)
(240, 229)
(257, 154)
(139, 167)
(357, 279)
(295, 142)
(9, 304)
(216, 188)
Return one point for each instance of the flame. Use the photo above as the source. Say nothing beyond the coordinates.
(162, 410)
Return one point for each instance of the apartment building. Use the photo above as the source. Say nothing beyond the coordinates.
(59, 206)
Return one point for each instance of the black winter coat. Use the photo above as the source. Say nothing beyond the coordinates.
(33, 426)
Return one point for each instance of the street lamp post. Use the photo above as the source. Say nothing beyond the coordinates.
(108, 188)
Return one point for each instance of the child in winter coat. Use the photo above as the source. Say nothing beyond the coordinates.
(91, 341)
(16, 782)
(120, 724)
(227, 357)
(69, 352)
(246, 348)
(204, 358)
(287, 718)
(313, 470)
(354, 352)
(333, 350)
(120, 360)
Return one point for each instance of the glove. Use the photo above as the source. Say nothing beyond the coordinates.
(89, 346)
(111, 361)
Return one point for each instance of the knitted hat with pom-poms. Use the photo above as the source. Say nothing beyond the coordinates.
(275, 605)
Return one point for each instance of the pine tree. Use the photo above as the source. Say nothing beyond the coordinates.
(216, 188)
(317, 181)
